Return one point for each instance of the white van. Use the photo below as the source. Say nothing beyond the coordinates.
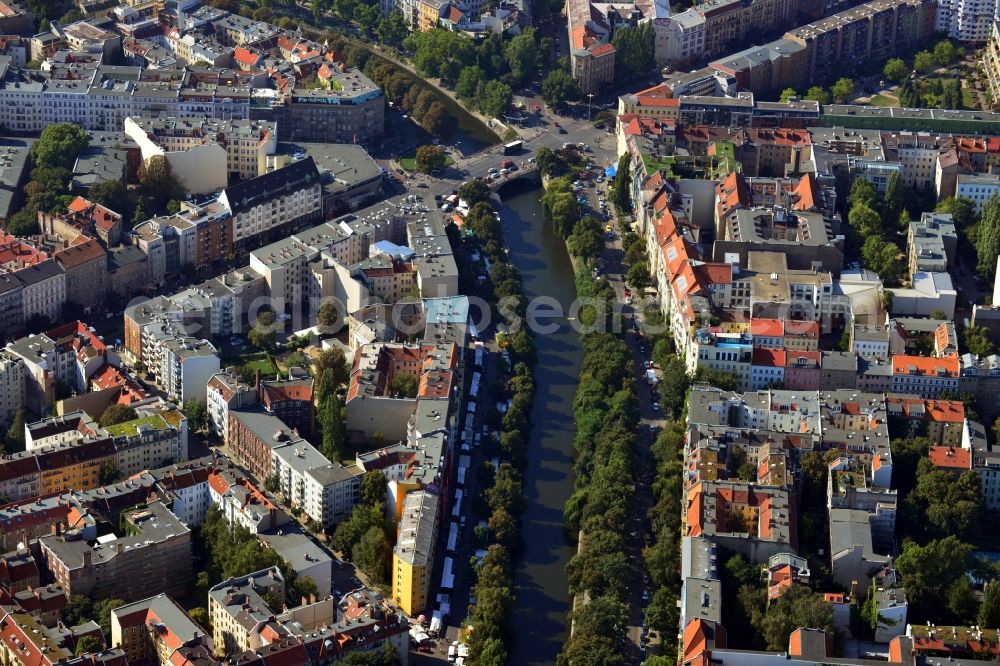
(452, 649)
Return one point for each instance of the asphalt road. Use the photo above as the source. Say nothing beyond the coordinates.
(544, 133)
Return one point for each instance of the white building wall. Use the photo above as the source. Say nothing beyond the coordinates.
(12, 378)
(195, 373)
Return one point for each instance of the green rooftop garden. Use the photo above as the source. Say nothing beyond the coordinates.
(131, 428)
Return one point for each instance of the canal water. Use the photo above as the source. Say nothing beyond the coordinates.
(540, 619)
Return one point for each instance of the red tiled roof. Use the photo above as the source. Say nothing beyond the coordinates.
(658, 101)
(732, 193)
(714, 273)
(602, 50)
(770, 328)
(802, 329)
(104, 218)
(806, 193)
(941, 337)
(780, 136)
(245, 56)
(807, 359)
(79, 254)
(14, 250)
(773, 358)
(924, 365)
(947, 411)
(949, 457)
(272, 393)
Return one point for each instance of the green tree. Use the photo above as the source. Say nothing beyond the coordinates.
(962, 211)
(403, 385)
(495, 98)
(372, 554)
(440, 52)
(493, 653)
(367, 17)
(587, 239)
(923, 62)
(14, 441)
(962, 602)
(862, 193)
(326, 387)
(951, 95)
(158, 181)
(58, 146)
(633, 247)
(787, 94)
(865, 222)
(300, 587)
(327, 315)
(200, 617)
(673, 386)
(549, 164)
(944, 52)
(78, 609)
(333, 359)
(929, 571)
(373, 489)
(88, 644)
(892, 202)
(950, 502)
(272, 483)
(882, 257)
(621, 195)
(197, 415)
(387, 656)
(102, 612)
(910, 96)
(988, 237)
(989, 609)
(332, 423)
(895, 70)
(559, 87)
(469, 81)
(662, 614)
(842, 90)
(560, 206)
(638, 276)
(263, 335)
(112, 195)
(817, 94)
(436, 120)
(473, 192)
(507, 491)
(108, 473)
(24, 222)
(522, 56)
(591, 650)
(116, 414)
(392, 30)
(430, 158)
(977, 340)
(634, 51)
(797, 607)
(350, 531)
(505, 529)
